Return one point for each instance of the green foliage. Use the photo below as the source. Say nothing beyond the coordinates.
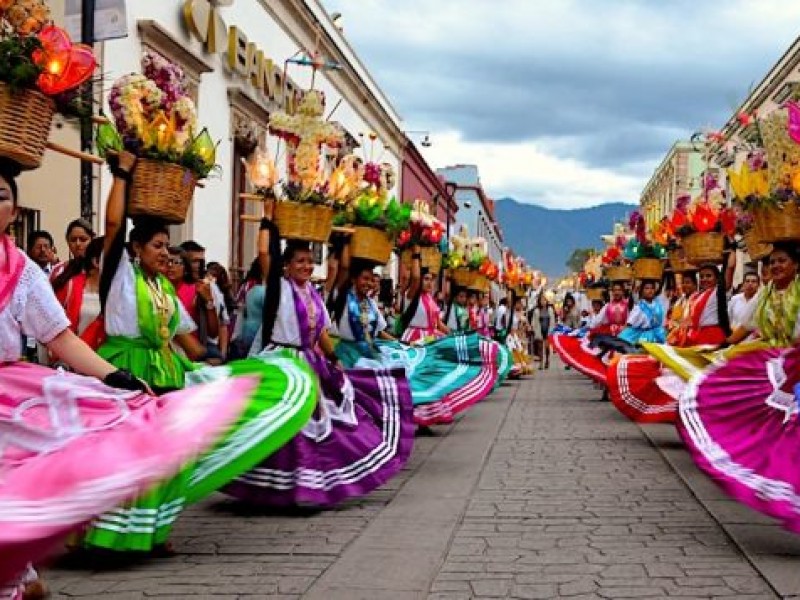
(17, 68)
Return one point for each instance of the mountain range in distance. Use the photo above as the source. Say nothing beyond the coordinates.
(546, 237)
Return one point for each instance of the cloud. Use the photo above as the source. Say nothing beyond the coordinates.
(601, 88)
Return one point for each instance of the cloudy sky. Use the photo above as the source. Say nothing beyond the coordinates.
(565, 103)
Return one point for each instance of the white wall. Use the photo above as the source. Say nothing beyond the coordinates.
(212, 205)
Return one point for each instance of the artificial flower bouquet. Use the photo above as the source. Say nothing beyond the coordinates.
(647, 255)
(702, 226)
(469, 263)
(305, 207)
(155, 118)
(427, 232)
(616, 266)
(40, 69)
(767, 183)
(376, 219)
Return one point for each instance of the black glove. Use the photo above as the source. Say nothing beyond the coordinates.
(123, 380)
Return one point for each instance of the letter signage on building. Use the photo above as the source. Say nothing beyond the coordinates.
(241, 57)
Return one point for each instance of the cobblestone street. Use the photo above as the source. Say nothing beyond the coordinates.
(541, 491)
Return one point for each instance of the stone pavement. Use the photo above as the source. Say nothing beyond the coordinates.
(541, 491)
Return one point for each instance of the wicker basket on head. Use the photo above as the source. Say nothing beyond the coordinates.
(464, 277)
(704, 247)
(371, 244)
(619, 273)
(161, 189)
(307, 222)
(25, 119)
(595, 293)
(648, 268)
(481, 283)
(756, 248)
(430, 258)
(678, 262)
(777, 223)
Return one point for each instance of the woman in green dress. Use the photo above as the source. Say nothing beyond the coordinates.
(143, 319)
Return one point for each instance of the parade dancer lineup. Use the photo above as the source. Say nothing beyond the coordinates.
(136, 383)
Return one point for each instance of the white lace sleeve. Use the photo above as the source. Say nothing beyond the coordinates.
(41, 316)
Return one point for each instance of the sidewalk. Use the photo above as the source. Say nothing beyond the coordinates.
(540, 491)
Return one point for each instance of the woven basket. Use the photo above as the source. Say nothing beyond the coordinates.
(464, 277)
(704, 247)
(779, 223)
(430, 259)
(161, 189)
(678, 262)
(481, 284)
(371, 244)
(307, 222)
(648, 268)
(756, 249)
(618, 273)
(595, 294)
(25, 119)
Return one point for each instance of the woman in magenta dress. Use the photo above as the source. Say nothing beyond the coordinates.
(75, 445)
(739, 417)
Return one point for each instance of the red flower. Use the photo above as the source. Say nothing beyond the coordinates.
(704, 218)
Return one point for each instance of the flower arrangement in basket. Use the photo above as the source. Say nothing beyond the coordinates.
(305, 207)
(767, 184)
(427, 232)
(469, 262)
(40, 69)
(517, 276)
(647, 255)
(376, 219)
(616, 267)
(702, 226)
(156, 119)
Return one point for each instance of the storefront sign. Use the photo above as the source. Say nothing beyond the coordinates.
(242, 57)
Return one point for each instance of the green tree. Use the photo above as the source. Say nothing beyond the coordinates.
(578, 258)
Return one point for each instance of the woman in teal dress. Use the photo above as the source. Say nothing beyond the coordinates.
(447, 374)
(646, 320)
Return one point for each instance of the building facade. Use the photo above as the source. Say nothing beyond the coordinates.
(678, 174)
(234, 53)
(420, 182)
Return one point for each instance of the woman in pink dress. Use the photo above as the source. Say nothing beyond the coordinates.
(739, 417)
(72, 446)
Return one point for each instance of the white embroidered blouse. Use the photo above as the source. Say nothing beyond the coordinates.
(33, 311)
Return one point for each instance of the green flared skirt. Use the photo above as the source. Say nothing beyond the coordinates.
(278, 408)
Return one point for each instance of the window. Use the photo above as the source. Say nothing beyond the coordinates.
(27, 220)
(249, 121)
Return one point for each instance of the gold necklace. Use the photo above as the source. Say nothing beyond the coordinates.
(162, 304)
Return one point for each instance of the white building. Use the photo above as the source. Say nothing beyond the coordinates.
(234, 53)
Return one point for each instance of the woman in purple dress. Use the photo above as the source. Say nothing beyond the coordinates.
(362, 432)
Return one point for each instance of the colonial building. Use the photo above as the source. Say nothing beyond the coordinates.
(679, 173)
(237, 57)
(780, 84)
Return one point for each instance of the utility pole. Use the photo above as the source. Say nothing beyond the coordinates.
(87, 101)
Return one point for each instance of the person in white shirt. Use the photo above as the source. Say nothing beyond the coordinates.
(742, 305)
